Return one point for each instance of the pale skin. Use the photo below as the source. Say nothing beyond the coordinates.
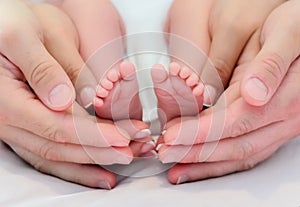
(67, 170)
(117, 92)
(60, 136)
(203, 29)
(251, 134)
(218, 28)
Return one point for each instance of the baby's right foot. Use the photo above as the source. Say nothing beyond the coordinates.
(118, 94)
(179, 93)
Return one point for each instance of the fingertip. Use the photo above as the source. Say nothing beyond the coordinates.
(86, 96)
(174, 175)
(209, 95)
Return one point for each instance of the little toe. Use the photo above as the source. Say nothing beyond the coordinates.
(174, 69)
(127, 70)
(159, 74)
(185, 73)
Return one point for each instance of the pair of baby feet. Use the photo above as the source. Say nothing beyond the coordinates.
(179, 93)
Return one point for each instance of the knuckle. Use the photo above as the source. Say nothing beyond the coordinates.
(243, 151)
(40, 166)
(73, 72)
(41, 72)
(47, 151)
(274, 66)
(248, 164)
(241, 126)
(51, 132)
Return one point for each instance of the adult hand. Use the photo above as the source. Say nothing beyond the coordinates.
(249, 134)
(47, 53)
(220, 29)
(51, 141)
(57, 143)
(280, 41)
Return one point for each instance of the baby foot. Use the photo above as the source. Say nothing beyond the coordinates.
(117, 95)
(179, 93)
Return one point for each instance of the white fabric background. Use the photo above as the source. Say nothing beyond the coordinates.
(275, 182)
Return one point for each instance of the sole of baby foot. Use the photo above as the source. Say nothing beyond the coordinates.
(118, 94)
(179, 93)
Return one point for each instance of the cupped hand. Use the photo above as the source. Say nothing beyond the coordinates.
(57, 143)
(250, 134)
(220, 30)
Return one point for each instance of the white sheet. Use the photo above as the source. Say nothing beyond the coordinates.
(275, 182)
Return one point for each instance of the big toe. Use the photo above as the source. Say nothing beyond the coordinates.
(159, 74)
(127, 70)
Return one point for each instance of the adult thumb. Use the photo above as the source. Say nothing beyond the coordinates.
(268, 69)
(45, 76)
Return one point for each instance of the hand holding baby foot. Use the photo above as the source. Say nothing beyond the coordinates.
(62, 142)
(220, 29)
(249, 136)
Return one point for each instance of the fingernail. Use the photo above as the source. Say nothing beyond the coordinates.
(87, 96)
(209, 95)
(142, 134)
(159, 146)
(147, 147)
(104, 185)
(61, 96)
(182, 179)
(256, 89)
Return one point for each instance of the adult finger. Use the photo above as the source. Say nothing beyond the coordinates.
(228, 41)
(88, 175)
(241, 118)
(60, 127)
(230, 149)
(66, 152)
(61, 40)
(26, 50)
(183, 173)
(279, 50)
